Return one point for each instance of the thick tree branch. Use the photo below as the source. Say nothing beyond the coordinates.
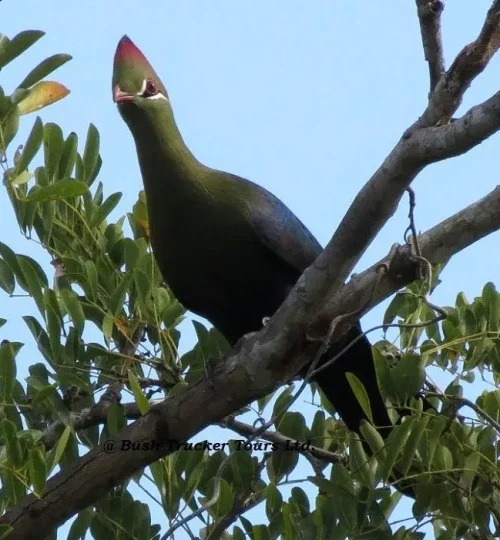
(429, 16)
(437, 245)
(252, 370)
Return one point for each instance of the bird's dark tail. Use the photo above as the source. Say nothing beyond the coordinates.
(358, 359)
(333, 382)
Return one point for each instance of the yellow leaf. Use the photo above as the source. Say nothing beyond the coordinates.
(42, 94)
(140, 213)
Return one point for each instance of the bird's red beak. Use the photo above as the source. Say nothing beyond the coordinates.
(121, 97)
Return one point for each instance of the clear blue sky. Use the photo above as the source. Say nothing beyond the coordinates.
(304, 98)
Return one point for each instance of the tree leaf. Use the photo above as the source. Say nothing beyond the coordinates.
(43, 69)
(8, 370)
(105, 209)
(43, 94)
(91, 271)
(21, 179)
(18, 44)
(14, 451)
(68, 156)
(61, 447)
(7, 280)
(361, 394)
(140, 398)
(80, 526)
(116, 419)
(91, 152)
(359, 463)
(63, 189)
(37, 469)
(395, 444)
(33, 282)
(31, 147)
(74, 308)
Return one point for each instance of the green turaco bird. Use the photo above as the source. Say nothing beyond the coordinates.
(229, 250)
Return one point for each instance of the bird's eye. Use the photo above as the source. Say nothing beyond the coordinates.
(150, 89)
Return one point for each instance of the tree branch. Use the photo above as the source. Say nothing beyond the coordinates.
(253, 369)
(468, 64)
(429, 16)
(257, 366)
(282, 441)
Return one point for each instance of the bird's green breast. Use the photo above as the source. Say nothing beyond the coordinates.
(205, 245)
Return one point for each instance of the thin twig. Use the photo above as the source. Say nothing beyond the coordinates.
(464, 402)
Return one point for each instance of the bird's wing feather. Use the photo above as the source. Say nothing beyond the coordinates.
(281, 231)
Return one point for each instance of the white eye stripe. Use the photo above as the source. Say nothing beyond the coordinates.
(159, 95)
(143, 87)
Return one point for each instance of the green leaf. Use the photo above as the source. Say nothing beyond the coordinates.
(318, 430)
(116, 419)
(143, 286)
(395, 444)
(225, 500)
(91, 271)
(74, 308)
(408, 376)
(140, 398)
(61, 447)
(53, 143)
(21, 179)
(471, 466)
(44, 68)
(91, 153)
(13, 446)
(361, 394)
(33, 282)
(53, 324)
(8, 128)
(107, 325)
(395, 308)
(31, 147)
(7, 280)
(374, 439)
(438, 423)
(274, 501)
(115, 303)
(81, 525)
(281, 464)
(18, 44)
(359, 464)
(11, 259)
(105, 209)
(68, 156)
(63, 189)
(8, 370)
(37, 469)
(412, 445)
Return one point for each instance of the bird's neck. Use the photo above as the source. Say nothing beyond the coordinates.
(168, 167)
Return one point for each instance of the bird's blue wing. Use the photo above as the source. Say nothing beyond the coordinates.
(281, 231)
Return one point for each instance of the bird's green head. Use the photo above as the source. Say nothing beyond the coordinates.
(144, 104)
(136, 86)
